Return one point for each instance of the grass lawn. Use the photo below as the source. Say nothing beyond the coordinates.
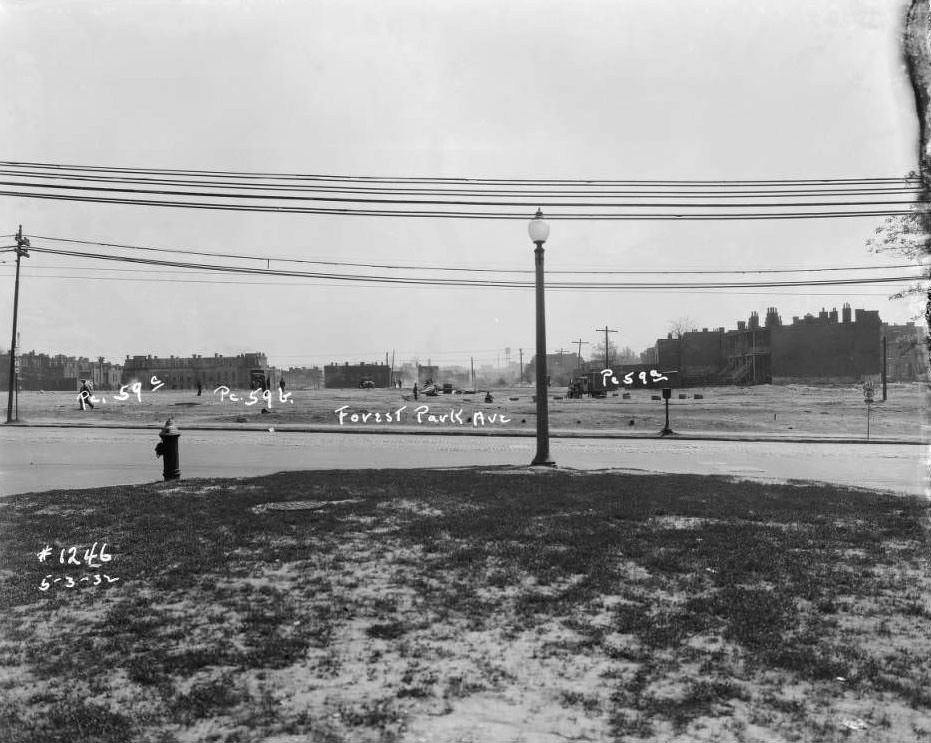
(466, 605)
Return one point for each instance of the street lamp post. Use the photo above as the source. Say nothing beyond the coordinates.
(539, 231)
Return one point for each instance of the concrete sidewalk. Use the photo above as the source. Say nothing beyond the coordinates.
(528, 432)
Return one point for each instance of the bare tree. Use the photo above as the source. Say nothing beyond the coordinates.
(681, 325)
(599, 356)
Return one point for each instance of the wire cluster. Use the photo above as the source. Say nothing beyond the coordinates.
(465, 198)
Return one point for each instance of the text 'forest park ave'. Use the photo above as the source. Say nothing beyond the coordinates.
(420, 414)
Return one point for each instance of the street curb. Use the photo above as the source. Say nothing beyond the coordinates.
(503, 433)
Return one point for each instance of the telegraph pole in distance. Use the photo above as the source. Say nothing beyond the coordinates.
(606, 330)
(521, 365)
(22, 243)
(580, 343)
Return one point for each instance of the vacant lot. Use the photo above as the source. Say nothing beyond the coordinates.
(789, 410)
(466, 605)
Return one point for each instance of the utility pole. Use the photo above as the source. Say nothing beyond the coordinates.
(580, 343)
(521, 364)
(884, 369)
(22, 243)
(606, 330)
(472, 366)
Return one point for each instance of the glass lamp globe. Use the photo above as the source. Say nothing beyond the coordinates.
(538, 228)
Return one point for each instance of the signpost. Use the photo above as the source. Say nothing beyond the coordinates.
(667, 393)
(868, 399)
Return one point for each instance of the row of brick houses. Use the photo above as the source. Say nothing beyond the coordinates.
(40, 371)
(829, 347)
(186, 372)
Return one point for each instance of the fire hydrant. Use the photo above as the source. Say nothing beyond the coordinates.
(168, 448)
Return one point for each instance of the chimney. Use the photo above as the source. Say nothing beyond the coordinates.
(845, 312)
(833, 315)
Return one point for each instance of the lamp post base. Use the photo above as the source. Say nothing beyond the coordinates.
(666, 432)
(544, 462)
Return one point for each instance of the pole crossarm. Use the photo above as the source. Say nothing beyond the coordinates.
(606, 330)
(580, 343)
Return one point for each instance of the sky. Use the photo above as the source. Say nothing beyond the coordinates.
(601, 89)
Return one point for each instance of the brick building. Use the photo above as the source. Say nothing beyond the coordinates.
(336, 376)
(40, 371)
(185, 372)
(303, 378)
(828, 347)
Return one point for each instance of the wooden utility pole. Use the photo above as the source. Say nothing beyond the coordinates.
(580, 343)
(22, 243)
(884, 369)
(606, 330)
(521, 364)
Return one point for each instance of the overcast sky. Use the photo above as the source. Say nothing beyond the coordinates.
(619, 89)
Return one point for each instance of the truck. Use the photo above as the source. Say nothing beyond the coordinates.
(262, 379)
(588, 384)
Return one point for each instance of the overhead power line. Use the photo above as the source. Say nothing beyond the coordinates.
(58, 167)
(347, 212)
(398, 266)
(463, 198)
(583, 189)
(383, 279)
(148, 278)
(534, 200)
(600, 192)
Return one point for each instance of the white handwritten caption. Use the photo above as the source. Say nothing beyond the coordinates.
(135, 388)
(92, 558)
(628, 378)
(421, 414)
(265, 395)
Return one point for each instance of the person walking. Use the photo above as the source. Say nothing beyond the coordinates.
(415, 390)
(281, 385)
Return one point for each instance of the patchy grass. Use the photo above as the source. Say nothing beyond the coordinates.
(437, 605)
(763, 409)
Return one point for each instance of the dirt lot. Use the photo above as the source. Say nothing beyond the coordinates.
(786, 410)
(470, 605)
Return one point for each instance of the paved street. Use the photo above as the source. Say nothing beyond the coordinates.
(35, 459)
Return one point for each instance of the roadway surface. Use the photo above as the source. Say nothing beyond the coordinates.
(38, 459)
